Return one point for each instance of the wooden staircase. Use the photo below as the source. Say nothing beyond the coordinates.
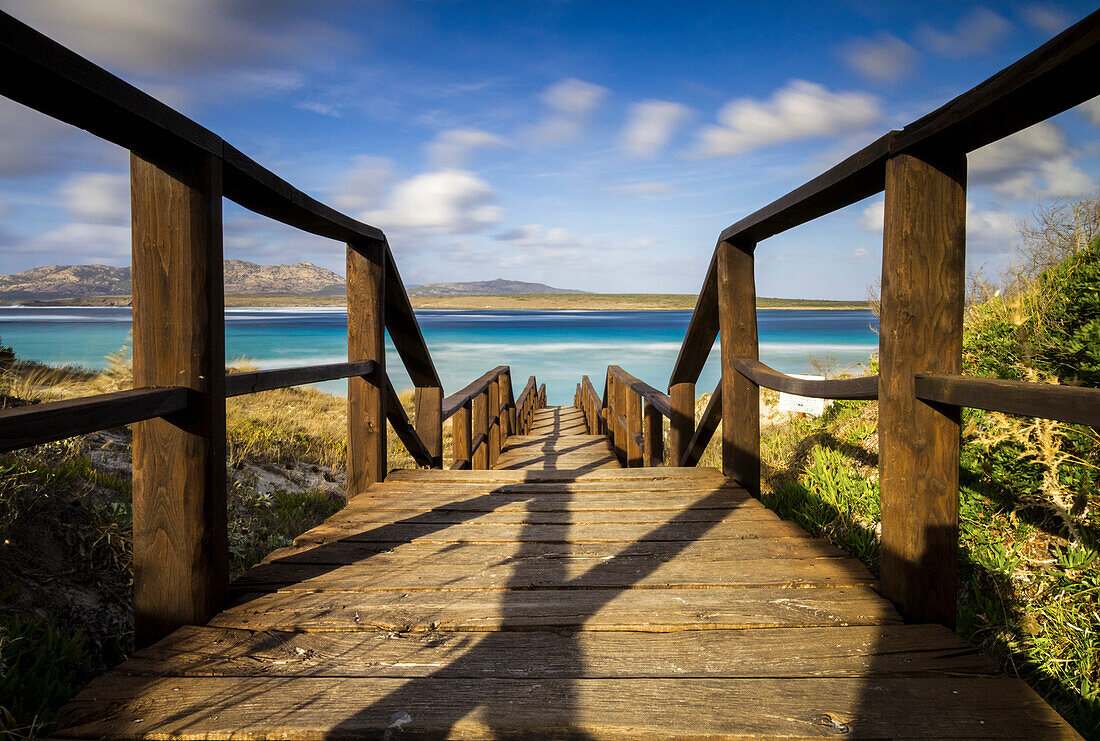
(558, 596)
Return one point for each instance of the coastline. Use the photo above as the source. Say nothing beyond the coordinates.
(514, 302)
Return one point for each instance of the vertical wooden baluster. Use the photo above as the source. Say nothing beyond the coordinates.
(366, 341)
(460, 437)
(923, 261)
(493, 395)
(480, 412)
(654, 437)
(740, 396)
(506, 402)
(181, 567)
(634, 429)
(613, 417)
(682, 425)
(429, 421)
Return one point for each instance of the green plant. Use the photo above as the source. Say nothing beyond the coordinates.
(41, 667)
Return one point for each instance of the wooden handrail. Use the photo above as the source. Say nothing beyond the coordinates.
(455, 401)
(238, 384)
(395, 413)
(1073, 404)
(643, 389)
(21, 427)
(833, 388)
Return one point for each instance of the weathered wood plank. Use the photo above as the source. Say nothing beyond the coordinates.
(857, 651)
(1074, 404)
(646, 610)
(238, 384)
(625, 474)
(865, 387)
(739, 339)
(366, 273)
(308, 708)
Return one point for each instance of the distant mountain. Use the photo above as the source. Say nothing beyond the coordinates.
(77, 281)
(485, 288)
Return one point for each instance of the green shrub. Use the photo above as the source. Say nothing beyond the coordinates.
(40, 669)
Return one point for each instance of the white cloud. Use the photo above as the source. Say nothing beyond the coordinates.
(991, 231)
(800, 110)
(1033, 163)
(977, 32)
(885, 57)
(1047, 18)
(32, 143)
(873, 217)
(441, 202)
(98, 197)
(362, 186)
(542, 246)
(570, 103)
(651, 124)
(1090, 109)
(452, 148)
(642, 189)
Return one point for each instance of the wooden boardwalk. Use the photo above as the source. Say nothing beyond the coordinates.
(558, 596)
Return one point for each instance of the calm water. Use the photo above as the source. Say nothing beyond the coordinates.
(556, 346)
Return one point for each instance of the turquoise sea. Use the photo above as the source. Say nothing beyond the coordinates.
(555, 346)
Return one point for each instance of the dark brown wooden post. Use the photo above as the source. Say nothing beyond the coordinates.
(682, 424)
(460, 437)
(480, 431)
(366, 341)
(181, 551)
(506, 402)
(493, 395)
(633, 409)
(923, 261)
(654, 436)
(614, 407)
(740, 396)
(429, 421)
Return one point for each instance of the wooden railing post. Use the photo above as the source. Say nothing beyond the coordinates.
(681, 427)
(181, 551)
(506, 401)
(366, 341)
(740, 396)
(460, 438)
(654, 436)
(923, 260)
(429, 421)
(633, 410)
(479, 405)
(493, 395)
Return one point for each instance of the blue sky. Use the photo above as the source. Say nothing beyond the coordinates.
(592, 145)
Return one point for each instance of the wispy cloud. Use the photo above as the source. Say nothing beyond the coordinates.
(1047, 18)
(569, 104)
(443, 202)
(884, 57)
(800, 110)
(641, 189)
(650, 124)
(977, 32)
(1034, 163)
(451, 149)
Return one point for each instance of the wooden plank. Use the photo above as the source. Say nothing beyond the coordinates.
(617, 568)
(479, 410)
(238, 384)
(308, 708)
(461, 434)
(740, 396)
(21, 427)
(857, 651)
(643, 389)
(366, 341)
(718, 498)
(924, 254)
(181, 567)
(712, 415)
(1073, 404)
(707, 475)
(654, 436)
(644, 610)
(493, 400)
(834, 388)
(429, 422)
(681, 421)
(701, 332)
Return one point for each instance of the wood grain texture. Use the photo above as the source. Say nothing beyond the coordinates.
(403, 428)
(654, 431)
(681, 422)
(479, 444)
(366, 267)
(924, 255)
(429, 422)
(460, 398)
(834, 388)
(181, 568)
(1073, 404)
(738, 335)
(21, 427)
(238, 384)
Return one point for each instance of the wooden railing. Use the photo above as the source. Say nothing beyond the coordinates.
(179, 174)
(922, 169)
(485, 414)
